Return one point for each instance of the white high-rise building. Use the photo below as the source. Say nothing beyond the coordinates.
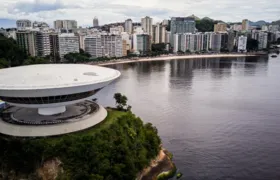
(68, 43)
(216, 39)
(65, 24)
(82, 37)
(207, 40)
(165, 22)
(261, 37)
(58, 24)
(199, 46)
(159, 33)
(43, 44)
(26, 40)
(104, 45)
(262, 40)
(116, 30)
(180, 25)
(128, 39)
(138, 30)
(95, 22)
(236, 27)
(141, 43)
(128, 27)
(264, 28)
(274, 28)
(245, 25)
(167, 36)
(93, 46)
(23, 24)
(147, 25)
(176, 43)
(112, 45)
(191, 42)
(37, 24)
(242, 44)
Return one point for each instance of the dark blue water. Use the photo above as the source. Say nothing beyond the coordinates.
(219, 117)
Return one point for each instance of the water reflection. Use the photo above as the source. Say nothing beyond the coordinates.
(219, 116)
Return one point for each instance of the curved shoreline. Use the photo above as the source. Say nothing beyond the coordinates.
(166, 58)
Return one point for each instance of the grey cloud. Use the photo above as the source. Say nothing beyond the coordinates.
(118, 10)
(134, 11)
(37, 6)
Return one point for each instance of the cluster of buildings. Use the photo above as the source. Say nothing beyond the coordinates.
(184, 36)
(38, 39)
(119, 39)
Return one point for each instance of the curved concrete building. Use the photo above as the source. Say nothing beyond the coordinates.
(52, 94)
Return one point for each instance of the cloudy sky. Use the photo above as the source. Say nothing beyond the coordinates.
(118, 10)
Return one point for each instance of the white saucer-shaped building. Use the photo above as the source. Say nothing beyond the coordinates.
(52, 97)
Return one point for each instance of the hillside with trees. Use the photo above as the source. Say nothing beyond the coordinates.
(205, 25)
(11, 55)
(118, 148)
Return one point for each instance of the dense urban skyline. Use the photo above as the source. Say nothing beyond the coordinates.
(115, 11)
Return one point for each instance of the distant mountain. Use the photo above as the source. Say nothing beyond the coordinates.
(276, 22)
(195, 17)
(258, 23)
(7, 23)
(207, 18)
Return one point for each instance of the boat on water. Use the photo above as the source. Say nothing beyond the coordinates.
(274, 55)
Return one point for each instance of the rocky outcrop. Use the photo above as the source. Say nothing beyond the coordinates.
(161, 164)
(50, 169)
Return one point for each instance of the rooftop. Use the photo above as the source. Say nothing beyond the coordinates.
(54, 76)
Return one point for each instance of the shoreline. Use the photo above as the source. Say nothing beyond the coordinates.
(167, 58)
(161, 165)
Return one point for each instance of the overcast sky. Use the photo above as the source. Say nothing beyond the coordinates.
(118, 10)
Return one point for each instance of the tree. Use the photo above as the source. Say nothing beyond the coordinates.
(252, 44)
(180, 52)
(11, 52)
(205, 25)
(77, 57)
(3, 63)
(160, 47)
(188, 51)
(35, 60)
(121, 101)
(82, 52)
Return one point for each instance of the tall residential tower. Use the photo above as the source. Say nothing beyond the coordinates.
(147, 25)
(245, 25)
(128, 27)
(181, 25)
(95, 22)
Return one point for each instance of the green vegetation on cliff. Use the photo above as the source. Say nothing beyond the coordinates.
(12, 55)
(118, 148)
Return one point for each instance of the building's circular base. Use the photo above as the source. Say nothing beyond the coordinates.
(24, 122)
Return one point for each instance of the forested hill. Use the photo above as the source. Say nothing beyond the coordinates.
(118, 148)
(11, 55)
(206, 24)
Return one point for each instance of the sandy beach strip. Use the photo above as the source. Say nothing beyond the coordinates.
(166, 58)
